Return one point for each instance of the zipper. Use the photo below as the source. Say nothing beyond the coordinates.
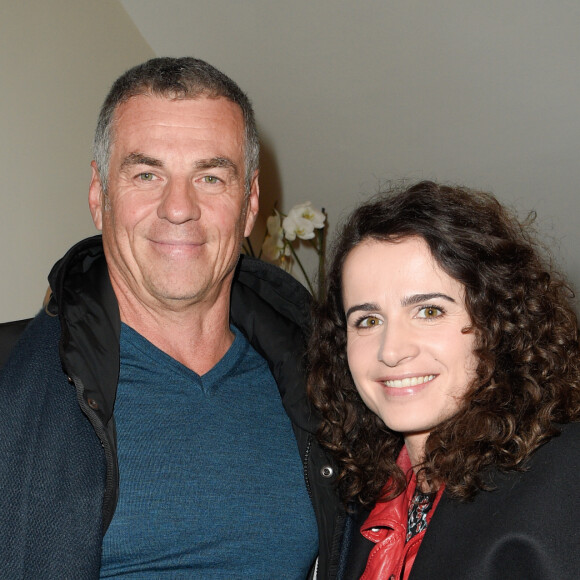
(305, 466)
(313, 575)
(112, 474)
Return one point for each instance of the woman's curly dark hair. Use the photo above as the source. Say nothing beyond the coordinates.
(528, 374)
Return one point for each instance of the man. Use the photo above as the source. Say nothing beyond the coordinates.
(153, 410)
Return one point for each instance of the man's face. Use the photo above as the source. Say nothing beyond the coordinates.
(175, 212)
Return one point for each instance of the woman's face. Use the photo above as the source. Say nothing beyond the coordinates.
(408, 355)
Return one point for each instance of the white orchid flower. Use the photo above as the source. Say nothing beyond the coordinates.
(274, 247)
(301, 222)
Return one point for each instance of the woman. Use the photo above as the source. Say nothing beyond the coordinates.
(445, 367)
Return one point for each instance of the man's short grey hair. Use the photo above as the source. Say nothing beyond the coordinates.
(174, 78)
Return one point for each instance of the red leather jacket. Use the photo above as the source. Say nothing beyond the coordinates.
(393, 557)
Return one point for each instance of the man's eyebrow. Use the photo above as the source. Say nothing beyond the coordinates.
(217, 162)
(140, 159)
(418, 298)
(366, 307)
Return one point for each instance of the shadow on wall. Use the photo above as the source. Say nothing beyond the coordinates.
(271, 194)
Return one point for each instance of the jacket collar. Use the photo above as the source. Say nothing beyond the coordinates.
(86, 305)
(270, 307)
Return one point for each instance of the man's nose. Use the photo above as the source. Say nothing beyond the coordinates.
(180, 202)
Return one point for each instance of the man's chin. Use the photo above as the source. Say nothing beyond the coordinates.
(177, 294)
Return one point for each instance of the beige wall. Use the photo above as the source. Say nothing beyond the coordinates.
(350, 93)
(57, 61)
(347, 94)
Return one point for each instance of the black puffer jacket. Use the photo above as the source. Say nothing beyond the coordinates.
(267, 305)
(525, 528)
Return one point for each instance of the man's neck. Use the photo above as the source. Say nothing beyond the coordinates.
(198, 337)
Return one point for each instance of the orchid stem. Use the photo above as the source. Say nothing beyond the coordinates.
(321, 281)
(295, 256)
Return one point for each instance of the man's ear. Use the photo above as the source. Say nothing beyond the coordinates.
(96, 197)
(253, 205)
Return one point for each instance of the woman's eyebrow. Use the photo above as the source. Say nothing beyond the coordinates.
(418, 298)
(366, 307)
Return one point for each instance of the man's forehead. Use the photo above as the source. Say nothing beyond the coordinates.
(151, 119)
(160, 104)
(204, 133)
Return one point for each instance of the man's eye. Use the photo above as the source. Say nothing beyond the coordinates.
(430, 312)
(146, 176)
(369, 322)
(210, 179)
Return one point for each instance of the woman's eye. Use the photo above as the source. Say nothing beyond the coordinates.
(146, 176)
(369, 322)
(430, 312)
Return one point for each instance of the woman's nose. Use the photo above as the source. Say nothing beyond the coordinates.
(398, 343)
